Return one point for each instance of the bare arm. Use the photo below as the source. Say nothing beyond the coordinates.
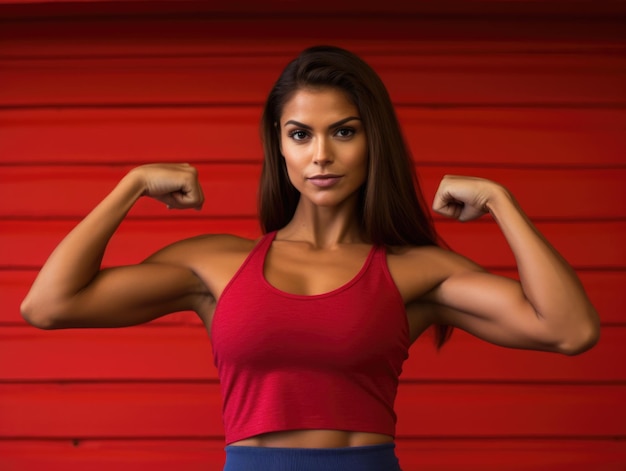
(71, 290)
(547, 309)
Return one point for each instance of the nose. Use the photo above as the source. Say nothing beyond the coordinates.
(322, 152)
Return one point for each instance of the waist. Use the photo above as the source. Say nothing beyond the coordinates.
(379, 457)
(314, 439)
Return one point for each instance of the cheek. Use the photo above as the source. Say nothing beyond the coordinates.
(295, 156)
(292, 170)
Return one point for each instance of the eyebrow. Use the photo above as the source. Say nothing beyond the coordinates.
(332, 126)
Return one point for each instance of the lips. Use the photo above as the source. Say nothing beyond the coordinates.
(324, 181)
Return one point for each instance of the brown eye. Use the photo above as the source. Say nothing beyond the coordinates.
(297, 135)
(345, 132)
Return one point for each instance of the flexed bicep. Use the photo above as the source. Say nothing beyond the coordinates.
(71, 289)
(493, 308)
(131, 295)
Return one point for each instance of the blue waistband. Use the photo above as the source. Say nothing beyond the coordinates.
(360, 458)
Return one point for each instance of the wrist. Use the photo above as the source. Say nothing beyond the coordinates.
(129, 189)
(499, 199)
(134, 183)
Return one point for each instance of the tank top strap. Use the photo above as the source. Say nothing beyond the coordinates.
(380, 256)
(255, 262)
(256, 258)
(381, 266)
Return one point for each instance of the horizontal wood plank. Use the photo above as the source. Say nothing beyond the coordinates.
(110, 410)
(469, 136)
(192, 410)
(149, 353)
(156, 455)
(141, 37)
(487, 79)
(550, 8)
(592, 245)
(184, 353)
(130, 135)
(498, 454)
(231, 190)
(414, 455)
(511, 410)
(516, 137)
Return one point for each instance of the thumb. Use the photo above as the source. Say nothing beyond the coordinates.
(446, 205)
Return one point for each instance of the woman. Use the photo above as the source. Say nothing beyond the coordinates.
(311, 323)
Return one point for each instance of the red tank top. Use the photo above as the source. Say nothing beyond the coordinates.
(293, 362)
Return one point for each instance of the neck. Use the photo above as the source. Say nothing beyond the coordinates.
(323, 227)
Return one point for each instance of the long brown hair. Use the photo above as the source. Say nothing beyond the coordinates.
(392, 209)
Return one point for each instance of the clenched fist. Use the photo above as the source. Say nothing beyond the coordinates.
(465, 198)
(176, 185)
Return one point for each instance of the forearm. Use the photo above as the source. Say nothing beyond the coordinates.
(77, 259)
(549, 283)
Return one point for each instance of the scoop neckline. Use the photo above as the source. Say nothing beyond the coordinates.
(332, 292)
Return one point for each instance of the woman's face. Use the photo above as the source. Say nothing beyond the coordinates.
(324, 145)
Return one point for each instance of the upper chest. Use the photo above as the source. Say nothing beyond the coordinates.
(298, 269)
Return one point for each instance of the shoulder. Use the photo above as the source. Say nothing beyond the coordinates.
(418, 270)
(208, 242)
(204, 248)
(432, 257)
(214, 259)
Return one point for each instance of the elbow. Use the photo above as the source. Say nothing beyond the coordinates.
(37, 317)
(584, 340)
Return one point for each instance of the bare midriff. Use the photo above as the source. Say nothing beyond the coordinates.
(314, 439)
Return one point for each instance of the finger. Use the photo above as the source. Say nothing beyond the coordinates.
(469, 213)
(451, 209)
(168, 200)
(194, 196)
(185, 200)
(180, 200)
(445, 204)
(198, 207)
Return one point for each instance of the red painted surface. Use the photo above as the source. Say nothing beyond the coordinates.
(527, 93)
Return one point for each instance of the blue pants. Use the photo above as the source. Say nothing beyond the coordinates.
(360, 458)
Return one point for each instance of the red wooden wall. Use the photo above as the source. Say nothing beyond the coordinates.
(532, 94)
